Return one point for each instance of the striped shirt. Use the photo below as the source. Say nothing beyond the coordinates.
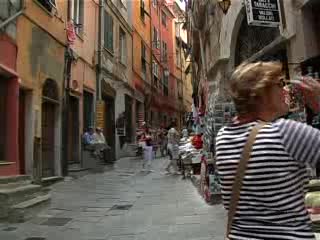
(271, 204)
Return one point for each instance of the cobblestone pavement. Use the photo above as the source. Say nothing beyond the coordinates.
(123, 203)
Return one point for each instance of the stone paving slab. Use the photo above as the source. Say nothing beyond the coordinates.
(124, 204)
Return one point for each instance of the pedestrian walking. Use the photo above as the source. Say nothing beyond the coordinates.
(147, 150)
(163, 141)
(173, 146)
(261, 158)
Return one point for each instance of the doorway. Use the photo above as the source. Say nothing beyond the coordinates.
(128, 119)
(73, 130)
(22, 117)
(3, 121)
(50, 103)
(109, 129)
(47, 126)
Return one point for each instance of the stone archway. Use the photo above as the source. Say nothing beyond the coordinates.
(50, 102)
(252, 39)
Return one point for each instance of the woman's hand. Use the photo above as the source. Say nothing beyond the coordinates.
(310, 85)
(311, 92)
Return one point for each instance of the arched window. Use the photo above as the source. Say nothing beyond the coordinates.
(251, 39)
(50, 90)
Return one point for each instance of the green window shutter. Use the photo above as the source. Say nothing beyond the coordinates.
(106, 29)
(108, 32)
(111, 34)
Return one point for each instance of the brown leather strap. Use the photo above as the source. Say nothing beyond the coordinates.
(238, 181)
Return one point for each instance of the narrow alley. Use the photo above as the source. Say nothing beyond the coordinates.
(123, 203)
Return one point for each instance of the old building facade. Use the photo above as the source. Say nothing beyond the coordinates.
(221, 41)
(164, 107)
(141, 59)
(81, 51)
(117, 95)
(182, 62)
(9, 92)
(41, 39)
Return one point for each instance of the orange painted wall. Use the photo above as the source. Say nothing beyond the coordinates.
(141, 31)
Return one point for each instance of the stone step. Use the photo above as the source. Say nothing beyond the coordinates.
(15, 179)
(14, 185)
(25, 210)
(21, 193)
(51, 180)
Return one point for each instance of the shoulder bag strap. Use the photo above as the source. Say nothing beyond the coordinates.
(242, 165)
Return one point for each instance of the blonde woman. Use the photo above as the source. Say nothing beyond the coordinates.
(271, 204)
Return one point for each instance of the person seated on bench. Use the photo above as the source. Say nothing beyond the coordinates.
(101, 144)
(88, 137)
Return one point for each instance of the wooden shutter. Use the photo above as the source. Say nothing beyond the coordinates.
(108, 32)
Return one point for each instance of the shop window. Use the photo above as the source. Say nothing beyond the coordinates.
(77, 14)
(3, 111)
(108, 32)
(50, 5)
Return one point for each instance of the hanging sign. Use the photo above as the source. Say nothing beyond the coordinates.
(263, 13)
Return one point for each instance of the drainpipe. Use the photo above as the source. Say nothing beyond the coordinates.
(100, 51)
(68, 58)
(13, 17)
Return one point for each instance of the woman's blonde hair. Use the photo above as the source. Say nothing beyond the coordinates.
(249, 81)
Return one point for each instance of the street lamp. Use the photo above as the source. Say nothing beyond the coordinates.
(224, 5)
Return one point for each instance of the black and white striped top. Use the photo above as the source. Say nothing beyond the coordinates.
(271, 204)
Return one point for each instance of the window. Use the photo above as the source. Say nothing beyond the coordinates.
(143, 59)
(164, 52)
(156, 40)
(179, 89)
(142, 9)
(108, 32)
(164, 19)
(165, 85)
(178, 62)
(48, 4)
(155, 72)
(122, 46)
(122, 4)
(154, 3)
(177, 29)
(77, 12)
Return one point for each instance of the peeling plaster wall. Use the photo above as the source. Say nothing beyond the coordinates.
(40, 39)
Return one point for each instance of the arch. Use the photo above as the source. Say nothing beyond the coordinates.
(107, 89)
(50, 90)
(251, 39)
(229, 30)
